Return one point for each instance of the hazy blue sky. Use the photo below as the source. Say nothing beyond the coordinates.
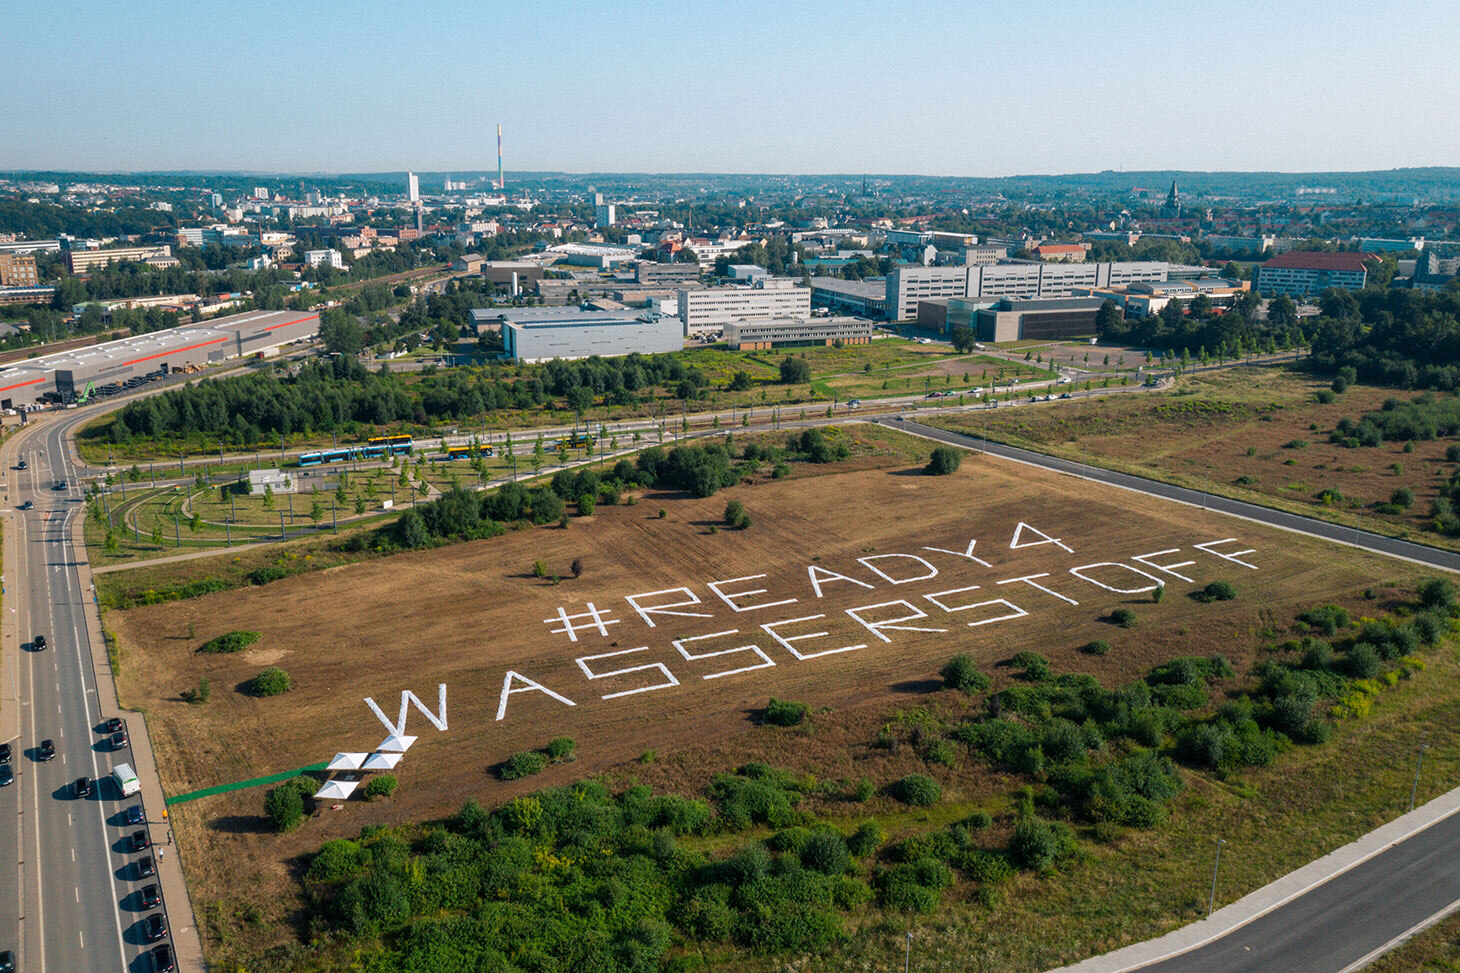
(959, 87)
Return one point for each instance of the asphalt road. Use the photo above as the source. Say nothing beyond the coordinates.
(1394, 547)
(77, 904)
(1345, 919)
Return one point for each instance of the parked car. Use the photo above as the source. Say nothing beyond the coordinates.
(119, 740)
(146, 867)
(7, 776)
(82, 787)
(154, 927)
(162, 960)
(5, 753)
(150, 897)
(135, 814)
(7, 961)
(114, 724)
(47, 750)
(140, 841)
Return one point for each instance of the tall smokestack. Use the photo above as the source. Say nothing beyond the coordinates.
(501, 179)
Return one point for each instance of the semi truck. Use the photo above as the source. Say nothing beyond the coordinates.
(126, 779)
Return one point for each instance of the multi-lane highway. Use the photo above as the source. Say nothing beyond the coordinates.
(77, 904)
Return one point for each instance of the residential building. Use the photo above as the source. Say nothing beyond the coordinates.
(1062, 252)
(332, 257)
(413, 188)
(542, 334)
(26, 295)
(82, 261)
(18, 270)
(1306, 273)
(981, 256)
(1369, 244)
(796, 332)
(708, 310)
(603, 214)
(31, 246)
(1052, 318)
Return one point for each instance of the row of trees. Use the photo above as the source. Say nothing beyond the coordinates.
(1408, 338)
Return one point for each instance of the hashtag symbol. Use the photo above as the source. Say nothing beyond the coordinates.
(597, 621)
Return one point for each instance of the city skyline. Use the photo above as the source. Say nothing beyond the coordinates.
(976, 91)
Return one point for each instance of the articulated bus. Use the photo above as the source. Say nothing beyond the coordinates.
(388, 445)
(467, 452)
(575, 441)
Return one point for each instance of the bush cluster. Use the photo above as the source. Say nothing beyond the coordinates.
(784, 712)
(230, 642)
(271, 682)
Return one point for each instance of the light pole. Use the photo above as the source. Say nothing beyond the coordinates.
(1414, 790)
(907, 955)
(1212, 902)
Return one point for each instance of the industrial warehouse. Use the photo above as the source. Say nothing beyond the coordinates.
(76, 374)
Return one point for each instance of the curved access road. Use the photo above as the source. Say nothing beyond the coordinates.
(1353, 536)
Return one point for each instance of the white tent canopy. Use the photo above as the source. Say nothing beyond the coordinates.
(336, 790)
(396, 743)
(346, 761)
(381, 761)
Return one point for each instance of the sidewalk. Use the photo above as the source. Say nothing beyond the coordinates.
(1257, 904)
(186, 942)
(10, 622)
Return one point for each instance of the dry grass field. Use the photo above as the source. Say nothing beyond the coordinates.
(468, 615)
(1256, 434)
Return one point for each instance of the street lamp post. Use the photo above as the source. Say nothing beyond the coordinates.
(907, 955)
(1212, 902)
(1414, 790)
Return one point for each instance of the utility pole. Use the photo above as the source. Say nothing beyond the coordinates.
(1212, 902)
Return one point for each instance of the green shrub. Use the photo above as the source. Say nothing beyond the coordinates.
(523, 763)
(1123, 617)
(735, 514)
(864, 791)
(866, 839)
(987, 867)
(941, 752)
(919, 790)
(961, 673)
(271, 682)
(1296, 444)
(825, 852)
(337, 861)
(1096, 647)
(1327, 619)
(1216, 591)
(267, 573)
(1436, 593)
(382, 785)
(945, 460)
(1362, 661)
(1040, 845)
(561, 748)
(586, 505)
(1324, 396)
(1035, 666)
(284, 806)
(784, 712)
(913, 886)
(230, 642)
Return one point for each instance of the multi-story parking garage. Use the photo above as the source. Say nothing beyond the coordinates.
(114, 365)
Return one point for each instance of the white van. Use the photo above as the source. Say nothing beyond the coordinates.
(126, 779)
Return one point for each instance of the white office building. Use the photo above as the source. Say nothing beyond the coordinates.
(908, 285)
(413, 187)
(331, 256)
(708, 310)
(542, 334)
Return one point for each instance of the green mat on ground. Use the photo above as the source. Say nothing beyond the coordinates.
(242, 784)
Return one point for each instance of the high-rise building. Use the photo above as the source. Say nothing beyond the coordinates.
(413, 187)
(18, 270)
(603, 213)
(260, 192)
(216, 201)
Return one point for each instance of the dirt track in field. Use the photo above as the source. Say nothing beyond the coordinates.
(466, 615)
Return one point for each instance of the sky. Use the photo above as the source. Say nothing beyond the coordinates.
(958, 87)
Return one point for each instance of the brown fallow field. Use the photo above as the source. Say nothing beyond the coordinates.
(848, 591)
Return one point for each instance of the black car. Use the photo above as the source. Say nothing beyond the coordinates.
(27, 505)
(134, 814)
(4, 753)
(114, 724)
(7, 961)
(150, 896)
(154, 927)
(7, 776)
(146, 867)
(47, 750)
(140, 841)
(162, 959)
(22, 465)
(62, 485)
(39, 643)
(82, 787)
(119, 740)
